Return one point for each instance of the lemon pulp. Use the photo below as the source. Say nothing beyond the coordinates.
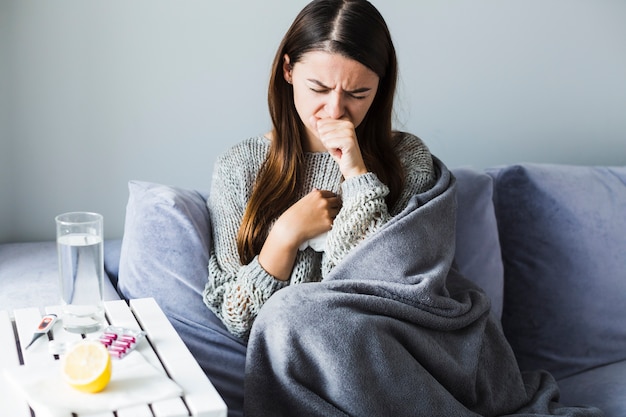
(87, 366)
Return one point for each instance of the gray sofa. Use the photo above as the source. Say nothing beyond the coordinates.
(547, 243)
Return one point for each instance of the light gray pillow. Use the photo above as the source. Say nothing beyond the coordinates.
(165, 255)
(165, 247)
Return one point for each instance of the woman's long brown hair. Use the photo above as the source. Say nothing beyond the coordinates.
(356, 30)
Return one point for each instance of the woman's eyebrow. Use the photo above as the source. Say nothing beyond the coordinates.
(356, 91)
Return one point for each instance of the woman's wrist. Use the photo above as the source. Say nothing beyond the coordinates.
(354, 172)
(278, 254)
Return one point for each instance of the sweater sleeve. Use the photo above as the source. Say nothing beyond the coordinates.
(364, 209)
(234, 292)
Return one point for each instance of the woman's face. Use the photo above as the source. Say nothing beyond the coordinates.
(328, 85)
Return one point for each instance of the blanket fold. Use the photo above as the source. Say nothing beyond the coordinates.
(394, 330)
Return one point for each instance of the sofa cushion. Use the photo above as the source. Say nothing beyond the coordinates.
(29, 276)
(603, 387)
(562, 232)
(477, 242)
(165, 255)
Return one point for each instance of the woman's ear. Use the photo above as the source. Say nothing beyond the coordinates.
(287, 68)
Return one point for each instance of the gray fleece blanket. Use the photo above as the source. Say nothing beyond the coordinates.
(393, 331)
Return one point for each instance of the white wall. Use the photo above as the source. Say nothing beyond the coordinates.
(6, 212)
(104, 92)
(494, 82)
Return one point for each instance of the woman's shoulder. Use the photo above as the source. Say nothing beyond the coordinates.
(251, 151)
(412, 150)
(417, 162)
(403, 141)
(238, 167)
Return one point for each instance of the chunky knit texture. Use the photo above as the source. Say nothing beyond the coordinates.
(236, 292)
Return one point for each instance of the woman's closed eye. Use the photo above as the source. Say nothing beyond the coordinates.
(351, 95)
(357, 97)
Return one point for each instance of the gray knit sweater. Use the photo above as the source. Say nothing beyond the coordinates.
(236, 292)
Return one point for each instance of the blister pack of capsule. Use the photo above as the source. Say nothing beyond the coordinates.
(120, 341)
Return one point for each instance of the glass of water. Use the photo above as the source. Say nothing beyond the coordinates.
(81, 270)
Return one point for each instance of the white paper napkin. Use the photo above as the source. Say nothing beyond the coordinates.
(133, 381)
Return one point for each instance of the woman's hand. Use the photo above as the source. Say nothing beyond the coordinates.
(339, 138)
(310, 216)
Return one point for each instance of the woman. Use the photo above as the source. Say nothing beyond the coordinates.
(331, 164)
(389, 328)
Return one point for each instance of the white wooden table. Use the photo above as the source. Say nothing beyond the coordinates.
(165, 350)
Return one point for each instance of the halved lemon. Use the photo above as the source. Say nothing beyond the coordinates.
(87, 366)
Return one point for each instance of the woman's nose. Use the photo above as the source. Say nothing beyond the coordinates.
(335, 106)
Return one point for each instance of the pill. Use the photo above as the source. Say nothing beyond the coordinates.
(116, 354)
(120, 341)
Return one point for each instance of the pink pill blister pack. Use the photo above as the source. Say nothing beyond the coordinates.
(120, 341)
